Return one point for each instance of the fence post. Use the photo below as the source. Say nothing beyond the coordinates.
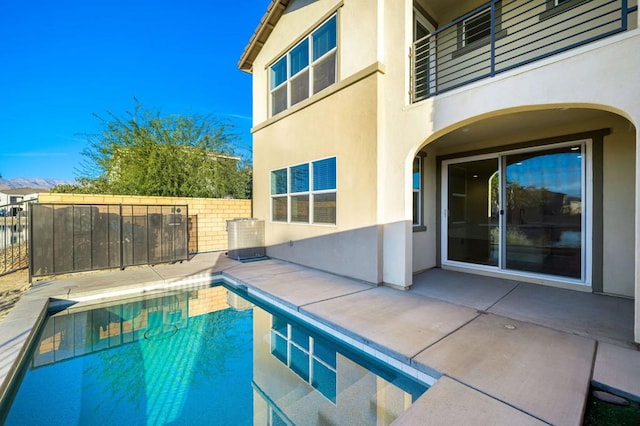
(30, 243)
(121, 240)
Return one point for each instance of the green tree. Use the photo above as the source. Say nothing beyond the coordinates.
(147, 153)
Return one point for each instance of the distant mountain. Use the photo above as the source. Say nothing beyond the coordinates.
(39, 183)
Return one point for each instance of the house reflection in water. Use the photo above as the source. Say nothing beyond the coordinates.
(299, 377)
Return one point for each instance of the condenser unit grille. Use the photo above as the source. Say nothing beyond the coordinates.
(245, 239)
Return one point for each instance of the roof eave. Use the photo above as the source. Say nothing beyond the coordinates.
(261, 34)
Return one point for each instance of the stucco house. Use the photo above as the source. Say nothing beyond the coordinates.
(497, 138)
(9, 199)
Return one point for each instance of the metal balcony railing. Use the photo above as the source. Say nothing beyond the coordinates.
(502, 35)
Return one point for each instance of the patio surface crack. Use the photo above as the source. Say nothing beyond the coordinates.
(501, 298)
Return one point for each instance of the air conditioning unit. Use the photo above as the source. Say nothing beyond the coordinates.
(245, 239)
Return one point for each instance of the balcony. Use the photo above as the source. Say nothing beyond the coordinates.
(502, 35)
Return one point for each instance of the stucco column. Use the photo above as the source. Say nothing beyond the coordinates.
(394, 181)
(637, 242)
(396, 256)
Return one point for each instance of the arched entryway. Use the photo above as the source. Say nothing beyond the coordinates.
(542, 194)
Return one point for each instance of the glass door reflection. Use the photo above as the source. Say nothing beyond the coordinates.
(544, 199)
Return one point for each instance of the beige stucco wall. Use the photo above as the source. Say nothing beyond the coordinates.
(619, 198)
(350, 136)
(212, 213)
(341, 121)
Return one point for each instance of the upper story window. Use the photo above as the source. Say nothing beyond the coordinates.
(555, 7)
(305, 193)
(476, 28)
(306, 69)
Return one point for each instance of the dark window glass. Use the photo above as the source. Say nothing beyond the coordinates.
(300, 87)
(324, 351)
(324, 174)
(416, 173)
(299, 57)
(300, 338)
(324, 38)
(279, 100)
(279, 73)
(477, 27)
(280, 325)
(300, 362)
(324, 73)
(279, 347)
(324, 208)
(279, 181)
(300, 208)
(300, 178)
(324, 380)
(279, 209)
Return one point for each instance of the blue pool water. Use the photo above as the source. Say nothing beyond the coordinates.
(205, 356)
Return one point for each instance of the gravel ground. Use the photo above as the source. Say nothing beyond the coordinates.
(12, 287)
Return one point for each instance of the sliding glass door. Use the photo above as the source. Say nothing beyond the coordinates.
(518, 211)
(472, 223)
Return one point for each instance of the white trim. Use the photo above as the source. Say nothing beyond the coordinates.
(419, 18)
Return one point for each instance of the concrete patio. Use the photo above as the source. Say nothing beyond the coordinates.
(504, 352)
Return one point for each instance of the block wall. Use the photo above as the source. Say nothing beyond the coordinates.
(211, 213)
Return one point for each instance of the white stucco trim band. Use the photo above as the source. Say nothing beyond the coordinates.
(372, 69)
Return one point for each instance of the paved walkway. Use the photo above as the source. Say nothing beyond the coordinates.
(504, 352)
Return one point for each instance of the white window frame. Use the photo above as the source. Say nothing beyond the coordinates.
(285, 195)
(310, 67)
(311, 193)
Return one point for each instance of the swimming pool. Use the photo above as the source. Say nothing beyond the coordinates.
(201, 356)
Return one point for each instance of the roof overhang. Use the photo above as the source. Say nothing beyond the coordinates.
(261, 34)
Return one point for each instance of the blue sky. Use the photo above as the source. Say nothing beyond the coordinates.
(62, 61)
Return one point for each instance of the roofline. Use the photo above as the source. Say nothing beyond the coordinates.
(261, 34)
